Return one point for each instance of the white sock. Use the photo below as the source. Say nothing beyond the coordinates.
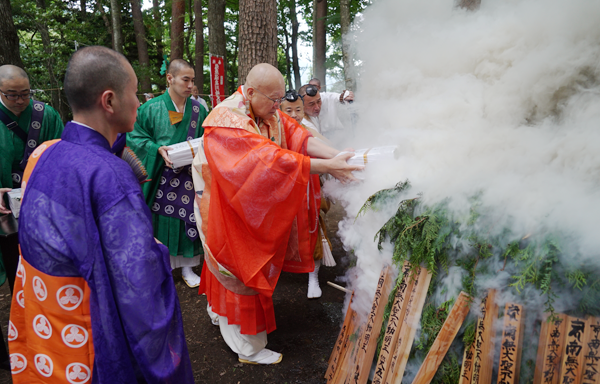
(314, 291)
(189, 275)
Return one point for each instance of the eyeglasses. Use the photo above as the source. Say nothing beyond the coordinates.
(275, 101)
(25, 96)
(292, 96)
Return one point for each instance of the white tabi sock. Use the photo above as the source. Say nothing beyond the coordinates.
(314, 291)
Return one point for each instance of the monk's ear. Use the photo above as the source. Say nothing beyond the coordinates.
(107, 100)
(169, 79)
(250, 92)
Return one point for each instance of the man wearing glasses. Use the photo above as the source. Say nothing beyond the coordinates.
(257, 207)
(24, 124)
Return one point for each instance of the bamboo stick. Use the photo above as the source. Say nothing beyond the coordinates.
(539, 361)
(444, 339)
(484, 340)
(553, 347)
(392, 332)
(511, 345)
(337, 352)
(572, 361)
(409, 326)
(466, 369)
(368, 345)
(591, 353)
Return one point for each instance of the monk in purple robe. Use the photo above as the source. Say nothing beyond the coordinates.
(94, 297)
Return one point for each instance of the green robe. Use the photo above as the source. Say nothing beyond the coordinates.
(152, 130)
(12, 147)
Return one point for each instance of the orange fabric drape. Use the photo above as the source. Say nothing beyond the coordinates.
(257, 193)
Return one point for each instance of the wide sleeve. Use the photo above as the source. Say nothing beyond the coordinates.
(257, 190)
(143, 293)
(295, 136)
(142, 141)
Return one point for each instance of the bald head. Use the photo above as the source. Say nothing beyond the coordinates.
(91, 71)
(177, 65)
(264, 75)
(11, 72)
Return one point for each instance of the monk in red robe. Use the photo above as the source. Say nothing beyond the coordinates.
(257, 206)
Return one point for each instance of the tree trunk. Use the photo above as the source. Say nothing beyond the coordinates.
(9, 43)
(216, 32)
(257, 35)
(471, 5)
(177, 26)
(82, 5)
(346, 53)
(158, 29)
(115, 13)
(105, 18)
(295, 65)
(199, 59)
(188, 34)
(286, 49)
(142, 46)
(42, 27)
(319, 41)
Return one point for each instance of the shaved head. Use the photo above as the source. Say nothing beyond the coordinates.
(177, 65)
(91, 71)
(264, 75)
(11, 72)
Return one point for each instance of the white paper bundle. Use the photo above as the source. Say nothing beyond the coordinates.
(373, 155)
(182, 154)
(14, 199)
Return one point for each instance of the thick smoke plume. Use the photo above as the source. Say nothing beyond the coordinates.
(503, 102)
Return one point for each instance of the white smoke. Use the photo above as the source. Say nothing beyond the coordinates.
(504, 100)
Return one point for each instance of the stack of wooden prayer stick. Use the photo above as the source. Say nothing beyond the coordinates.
(568, 350)
(355, 348)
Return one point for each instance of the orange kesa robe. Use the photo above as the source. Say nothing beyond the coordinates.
(258, 210)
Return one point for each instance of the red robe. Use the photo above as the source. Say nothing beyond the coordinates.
(257, 218)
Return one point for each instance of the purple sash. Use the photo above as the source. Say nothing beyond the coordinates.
(175, 194)
(33, 136)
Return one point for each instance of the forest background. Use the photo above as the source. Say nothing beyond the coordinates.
(41, 35)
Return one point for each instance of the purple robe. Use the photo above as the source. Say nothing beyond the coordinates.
(84, 215)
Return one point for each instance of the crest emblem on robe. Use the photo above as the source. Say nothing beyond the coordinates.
(39, 288)
(155, 207)
(159, 194)
(69, 297)
(78, 373)
(192, 232)
(21, 298)
(74, 336)
(12, 331)
(189, 185)
(169, 209)
(38, 107)
(174, 182)
(31, 143)
(171, 196)
(185, 199)
(42, 327)
(21, 273)
(36, 125)
(38, 151)
(182, 212)
(18, 363)
(196, 109)
(43, 363)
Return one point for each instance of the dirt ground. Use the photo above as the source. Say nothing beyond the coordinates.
(306, 329)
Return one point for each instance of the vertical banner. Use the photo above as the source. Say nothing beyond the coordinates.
(217, 79)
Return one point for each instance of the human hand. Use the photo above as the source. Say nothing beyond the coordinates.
(349, 97)
(163, 151)
(3, 209)
(341, 170)
(349, 149)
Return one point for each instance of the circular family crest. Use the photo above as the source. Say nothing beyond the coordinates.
(69, 297)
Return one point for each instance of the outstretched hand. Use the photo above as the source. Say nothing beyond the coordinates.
(3, 209)
(341, 170)
(163, 151)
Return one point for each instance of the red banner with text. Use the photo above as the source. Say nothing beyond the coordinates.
(217, 79)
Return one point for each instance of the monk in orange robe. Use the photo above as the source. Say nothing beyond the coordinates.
(257, 206)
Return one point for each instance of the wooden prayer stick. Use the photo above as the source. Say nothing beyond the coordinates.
(539, 361)
(511, 344)
(392, 332)
(485, 336)
(409, 327)
(466, 369)
(368, 345)
(572, 361)
(339, 343)
(553, 348)
(591, 353)
(344, 360)
(444, 339)
(339, 287)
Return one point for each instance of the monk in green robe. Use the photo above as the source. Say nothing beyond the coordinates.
(164, 120)
(17, 142)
